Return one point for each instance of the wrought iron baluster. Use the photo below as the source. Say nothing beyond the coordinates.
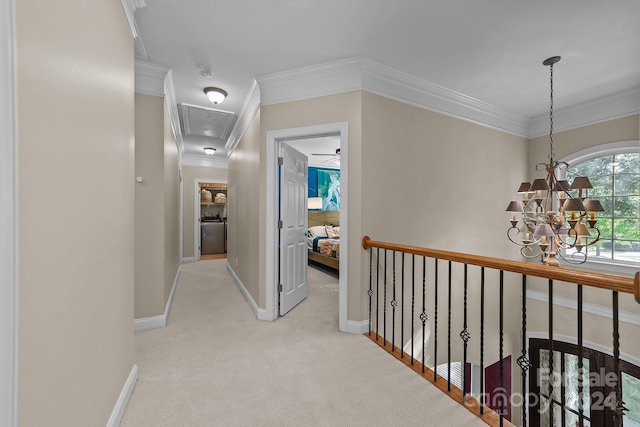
(464, 334)
(550, 382)
(423, 315)
(580, 363)
(377, 292)
(482, 395)
(370, 286)
(394, 304)
(384, 302)
(502, 346)
(413, 301)
(435, 328)
(618, 405)
(402, 311)
(523, 360)
(449, 331)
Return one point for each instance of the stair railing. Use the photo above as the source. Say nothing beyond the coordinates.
(394, 291)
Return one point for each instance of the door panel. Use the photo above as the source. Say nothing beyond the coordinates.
(293, 243)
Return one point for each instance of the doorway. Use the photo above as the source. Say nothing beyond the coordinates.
(210, 209)
(274, 140)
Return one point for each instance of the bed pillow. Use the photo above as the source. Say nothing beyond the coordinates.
(333, 232)
(317, 231)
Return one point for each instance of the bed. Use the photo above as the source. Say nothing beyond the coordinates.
(323, 238)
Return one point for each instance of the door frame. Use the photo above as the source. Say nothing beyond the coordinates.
(196, 212)
(8, 218)
(272, 267)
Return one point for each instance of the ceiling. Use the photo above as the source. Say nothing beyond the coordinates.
(486, 51)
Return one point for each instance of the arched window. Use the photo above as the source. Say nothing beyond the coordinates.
(614, 172)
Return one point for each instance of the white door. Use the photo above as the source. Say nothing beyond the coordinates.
(293, 240)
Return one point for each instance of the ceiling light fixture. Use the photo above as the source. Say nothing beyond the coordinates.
(215, 94)
(210, 151)
(554, 222)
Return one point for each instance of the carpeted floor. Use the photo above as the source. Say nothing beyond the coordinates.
(214, 364)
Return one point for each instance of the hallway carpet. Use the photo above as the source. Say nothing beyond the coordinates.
(214, 364)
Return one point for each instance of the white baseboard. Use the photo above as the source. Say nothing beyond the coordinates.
(188, 259)
(123, 399)
(358, 328)
(161, 320)
(260, 313)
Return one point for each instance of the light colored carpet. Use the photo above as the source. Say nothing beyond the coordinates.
(216, 365)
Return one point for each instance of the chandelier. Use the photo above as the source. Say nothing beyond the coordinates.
(557, 219)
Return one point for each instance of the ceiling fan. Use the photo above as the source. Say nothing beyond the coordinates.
(334, 157)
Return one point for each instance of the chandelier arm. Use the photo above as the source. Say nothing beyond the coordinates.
(527, 251)
(576, 257)
(531, 243)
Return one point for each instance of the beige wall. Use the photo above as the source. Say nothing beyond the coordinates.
(157, 207)
(243, 212)
(571, 141)
(438, 182)
(149, 238)
(189, 175)
(76, 210)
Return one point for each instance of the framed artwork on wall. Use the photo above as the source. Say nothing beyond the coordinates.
(329, 189)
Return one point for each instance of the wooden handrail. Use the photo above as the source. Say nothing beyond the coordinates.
(611, 282)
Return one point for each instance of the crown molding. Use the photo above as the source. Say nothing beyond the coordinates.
(248, 111)
(601, 110)
(172, 110)
(391, 83)
(311, 82)
(365, 74)
(150, 77)
(130, 6)
(202, 161)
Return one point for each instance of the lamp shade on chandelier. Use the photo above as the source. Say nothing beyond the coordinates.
(554, 219)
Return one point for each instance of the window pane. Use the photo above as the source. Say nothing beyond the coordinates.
(572, 383)
(626, 229)
(627, 163)
(626, 184)
(602, 185)
(594, 167)
(626, 207)
(631, 398)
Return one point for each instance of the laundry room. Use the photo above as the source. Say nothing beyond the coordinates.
(213, 219)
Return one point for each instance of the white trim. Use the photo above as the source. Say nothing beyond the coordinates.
(189, 259)
(311, 82)
(260, 313)
(248, 111)
(201, 161)
(598, 111)
(587, 307)
(161, 320)
(358, 328)
(150, 78)
(394, 84)
(365, 74)
(600, 150)
(587, 344)
(172, 111)
(274, 138)
(8, 219)
(123, 399)
(129, 8)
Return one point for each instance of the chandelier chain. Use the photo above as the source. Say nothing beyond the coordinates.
(551, 154)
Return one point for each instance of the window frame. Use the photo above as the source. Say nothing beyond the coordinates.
(602, 150)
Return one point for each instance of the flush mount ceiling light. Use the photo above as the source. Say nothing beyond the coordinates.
(554, 222)
(215, 94)
(210, 151)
